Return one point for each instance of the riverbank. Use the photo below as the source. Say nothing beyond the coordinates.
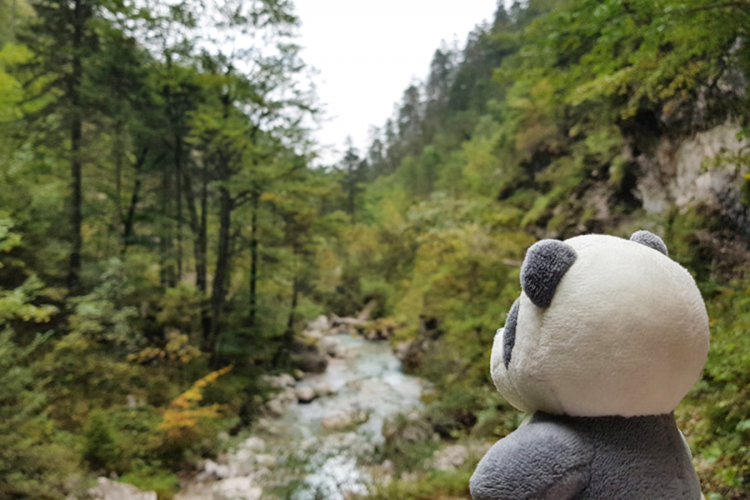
(357, 429)
(354, 430)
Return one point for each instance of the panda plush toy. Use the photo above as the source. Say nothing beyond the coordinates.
(607, 337)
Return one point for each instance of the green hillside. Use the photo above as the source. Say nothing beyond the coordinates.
(164, 235)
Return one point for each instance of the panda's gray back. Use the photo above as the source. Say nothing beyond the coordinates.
(633, 458)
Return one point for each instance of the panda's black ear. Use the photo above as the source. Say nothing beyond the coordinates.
(650, 240)
(509, 332)
(545, 264)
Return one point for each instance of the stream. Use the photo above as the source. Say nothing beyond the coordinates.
(314, 449)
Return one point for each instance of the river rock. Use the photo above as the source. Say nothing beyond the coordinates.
(305, 394)
(254, 443)
(411, 354)
(450, 457)
(308, 357)
(279, 381)
(213, 469)
(387, 467)
(269, 426)
(342, 420)
(411, 427)
(107, 489)
(317, 328)
(277, 405)
(332, 346)
(241, 463)
(236, 488)
(266, 461)
(457, 455)
(322, 388)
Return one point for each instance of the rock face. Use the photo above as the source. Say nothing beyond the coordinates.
(106, 489)
(675, 174)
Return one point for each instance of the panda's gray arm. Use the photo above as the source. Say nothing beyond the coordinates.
(540, 461)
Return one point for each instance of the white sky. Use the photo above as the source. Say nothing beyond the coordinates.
(367, 52)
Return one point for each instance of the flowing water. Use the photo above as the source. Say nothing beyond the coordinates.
(368, 383)
(319, 446)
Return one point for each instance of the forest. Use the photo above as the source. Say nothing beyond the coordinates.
(167, 233)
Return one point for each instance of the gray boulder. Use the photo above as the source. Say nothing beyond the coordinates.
(308, 358)
(305, 394)
(237, 488)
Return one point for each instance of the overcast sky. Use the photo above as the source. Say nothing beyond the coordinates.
(367, 53)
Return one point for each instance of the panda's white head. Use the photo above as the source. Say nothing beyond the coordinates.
(604, 326)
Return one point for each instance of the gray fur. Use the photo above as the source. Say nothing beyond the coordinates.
(544, 266)
(576, 458)
(509, 332)
(650, 240)
(535, 462)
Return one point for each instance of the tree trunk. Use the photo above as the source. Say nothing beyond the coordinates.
(288, 338)
(254, 259)
(195, 224)
(118, 153)
(13, 22)
(178, 156)
(127, 232)
(223, 255)
(76, 133)
(166, 272)
(129, 222)
(202, 274)
(293, 310)
(198, 224)
(178, 195)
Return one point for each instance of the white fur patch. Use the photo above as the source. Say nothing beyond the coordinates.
(626, 334)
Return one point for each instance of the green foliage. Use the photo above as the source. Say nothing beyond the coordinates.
(436, 485)
(150, 478)
(581, 88)
(38, 458)
(207, 239)
(716, 414)
(100, 450)
(99, 315)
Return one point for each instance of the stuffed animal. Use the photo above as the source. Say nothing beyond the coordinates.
(607, 337)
